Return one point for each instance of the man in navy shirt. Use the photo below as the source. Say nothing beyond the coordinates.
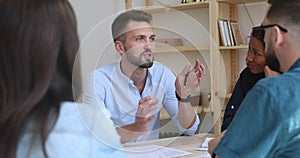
(268, 121)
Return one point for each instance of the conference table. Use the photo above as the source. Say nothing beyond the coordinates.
(184, 143)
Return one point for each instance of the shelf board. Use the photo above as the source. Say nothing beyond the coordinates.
(152, 9)
(187, 6)
(167, 8)
(225, 96)
(182, 49)
(195, 48)
(240, 1)
(234, 47)
(228, 95)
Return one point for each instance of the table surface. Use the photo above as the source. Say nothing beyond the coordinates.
(185, 143)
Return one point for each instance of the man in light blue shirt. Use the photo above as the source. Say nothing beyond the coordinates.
(268, 122)
(132, 91)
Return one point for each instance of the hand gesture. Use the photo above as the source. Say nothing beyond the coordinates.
(145, 113)
(188, 80)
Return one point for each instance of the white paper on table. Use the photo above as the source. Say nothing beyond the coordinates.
(204, 146)
(203, 156)
(153, 151)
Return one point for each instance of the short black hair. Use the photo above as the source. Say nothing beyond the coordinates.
(119, 24)
(258, 34)
(287, 11)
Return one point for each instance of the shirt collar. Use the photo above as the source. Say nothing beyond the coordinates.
(123, 76)
(295, 65)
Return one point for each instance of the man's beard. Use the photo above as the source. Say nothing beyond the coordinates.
(146, 65)
(137, 61)
(271, 58)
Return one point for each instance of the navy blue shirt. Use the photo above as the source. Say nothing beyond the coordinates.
(244, 84)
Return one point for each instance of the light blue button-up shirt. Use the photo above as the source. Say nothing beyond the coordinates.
(80, 131)
(118, 96)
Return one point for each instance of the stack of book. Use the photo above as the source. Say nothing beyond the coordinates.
(230, 33)
(189, 1)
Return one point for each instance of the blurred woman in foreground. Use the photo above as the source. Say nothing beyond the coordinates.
(38, 116)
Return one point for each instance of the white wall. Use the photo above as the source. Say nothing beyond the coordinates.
(94, 18)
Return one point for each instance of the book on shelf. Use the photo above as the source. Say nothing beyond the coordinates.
(226, 29)
(222, 32)
(230, 33)
(191, 1)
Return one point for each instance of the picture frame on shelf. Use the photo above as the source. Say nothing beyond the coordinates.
(236, 31)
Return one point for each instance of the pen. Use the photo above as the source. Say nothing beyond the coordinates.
(185, 79)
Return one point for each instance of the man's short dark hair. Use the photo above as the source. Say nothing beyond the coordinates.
(287, 11)
(119, 25)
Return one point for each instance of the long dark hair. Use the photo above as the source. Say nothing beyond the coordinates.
(38, 46)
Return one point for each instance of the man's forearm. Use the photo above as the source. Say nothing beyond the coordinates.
(186, 115)
(127, 133)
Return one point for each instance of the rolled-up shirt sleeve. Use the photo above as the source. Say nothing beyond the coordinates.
(171, 106)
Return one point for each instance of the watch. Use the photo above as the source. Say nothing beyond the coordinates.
(188, 99)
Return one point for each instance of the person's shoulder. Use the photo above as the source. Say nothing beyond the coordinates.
(106, 68)
(81, 117)
(249, 78)
(68, 116)
(246, 70)
(159, 66)
(279, 84)
(104, 71)
(76, 125)
(75, 111)
(247, 73)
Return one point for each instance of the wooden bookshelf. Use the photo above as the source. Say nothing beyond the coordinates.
(182, 49)
(240, 1)
(188, 6)
(226, 96)
(179, 7)
(216, 9)
(233, 47)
